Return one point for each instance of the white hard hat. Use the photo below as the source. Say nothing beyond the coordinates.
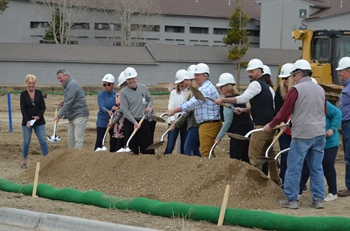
(255, 64)
(286, 70)
(121, 79)
(226, 78)
(109, 78)
(180, 75)
(301, 64)
(201, 68)
(130, 73)
(266, 70)
(190, 72)
(343, 63)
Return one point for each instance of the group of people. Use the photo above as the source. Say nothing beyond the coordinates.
(312, 140)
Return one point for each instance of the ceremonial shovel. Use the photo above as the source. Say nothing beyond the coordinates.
(104, 148)
(127, 149)
(54, 138)
(198, 95)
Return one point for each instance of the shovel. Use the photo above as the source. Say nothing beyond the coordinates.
(104, 148)
(271, 158)
(159, 143)
(224, 104)
(197, 94)
(246, 136)
(212, 150)
(127, 149)
(54, 138)
(157, 118)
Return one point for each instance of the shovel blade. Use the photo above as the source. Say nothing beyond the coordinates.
(157, 118)
(155, 145)
(237, 136)
(53, 138)
(126, 149)
(100, 149)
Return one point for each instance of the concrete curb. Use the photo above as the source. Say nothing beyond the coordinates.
(42, 221)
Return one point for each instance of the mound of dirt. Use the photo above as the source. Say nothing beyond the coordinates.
(172, 177)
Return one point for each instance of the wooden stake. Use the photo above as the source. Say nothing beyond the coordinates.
(36, 179)
(224, 205)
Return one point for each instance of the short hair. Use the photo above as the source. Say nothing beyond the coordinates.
(306, 73)
(62, 71)
(30, 78)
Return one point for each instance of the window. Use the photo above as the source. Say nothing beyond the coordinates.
(220, 31)
(321, 47)
(175, 29)
(302, 13)
(80, 26)
(35, 25)
(199, 30)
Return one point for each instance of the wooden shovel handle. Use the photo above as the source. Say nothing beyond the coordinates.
(140, 123)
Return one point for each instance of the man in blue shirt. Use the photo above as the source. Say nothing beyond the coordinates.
(344, 105)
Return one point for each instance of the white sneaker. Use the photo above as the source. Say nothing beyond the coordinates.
(331, 197)
(299, 197)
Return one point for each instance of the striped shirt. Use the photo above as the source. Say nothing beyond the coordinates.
(204, 111)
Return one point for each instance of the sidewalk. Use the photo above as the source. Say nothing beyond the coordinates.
(52, 222)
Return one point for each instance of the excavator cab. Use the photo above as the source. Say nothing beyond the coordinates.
(323, 49)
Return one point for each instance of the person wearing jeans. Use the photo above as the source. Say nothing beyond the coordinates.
(32, 108)
(176, 97)
(306, 101)
(344, 105)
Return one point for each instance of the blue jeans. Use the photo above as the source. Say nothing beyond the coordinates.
(27, 137)
(192, 143)
(172, 136)
(284, 142)
(312, 150)
(345, 126)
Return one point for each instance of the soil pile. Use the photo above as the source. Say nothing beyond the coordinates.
(172, 177)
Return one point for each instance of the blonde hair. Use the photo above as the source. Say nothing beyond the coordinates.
(30, 78)
(284, 89)
(231, 89)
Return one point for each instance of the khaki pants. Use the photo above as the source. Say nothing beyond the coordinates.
(207, 135)
(76, 132)
(259, 142)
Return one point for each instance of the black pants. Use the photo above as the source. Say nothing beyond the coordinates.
(100, 132)
(142, 138)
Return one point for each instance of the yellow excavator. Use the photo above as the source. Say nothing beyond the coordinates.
(323, 49)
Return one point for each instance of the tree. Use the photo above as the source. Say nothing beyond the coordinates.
(133, 17)
(3, 5)
(237, 38)
(64, 14)
(52, 34)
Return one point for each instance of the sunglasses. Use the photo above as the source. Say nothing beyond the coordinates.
(107, 84)
(286, 78)
(33, 103)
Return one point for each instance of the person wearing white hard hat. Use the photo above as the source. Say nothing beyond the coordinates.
(207, 114)
(135, 102)
(177, 97)
(267, 78)
(117, 120)
(191, 146)
(238, 124)
(106, 102)
(306, 101)
(74, 108)
(344, 105)
(262, 109)
(286, 83)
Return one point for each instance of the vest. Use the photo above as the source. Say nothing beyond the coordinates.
(308, 118)
(262, 105)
